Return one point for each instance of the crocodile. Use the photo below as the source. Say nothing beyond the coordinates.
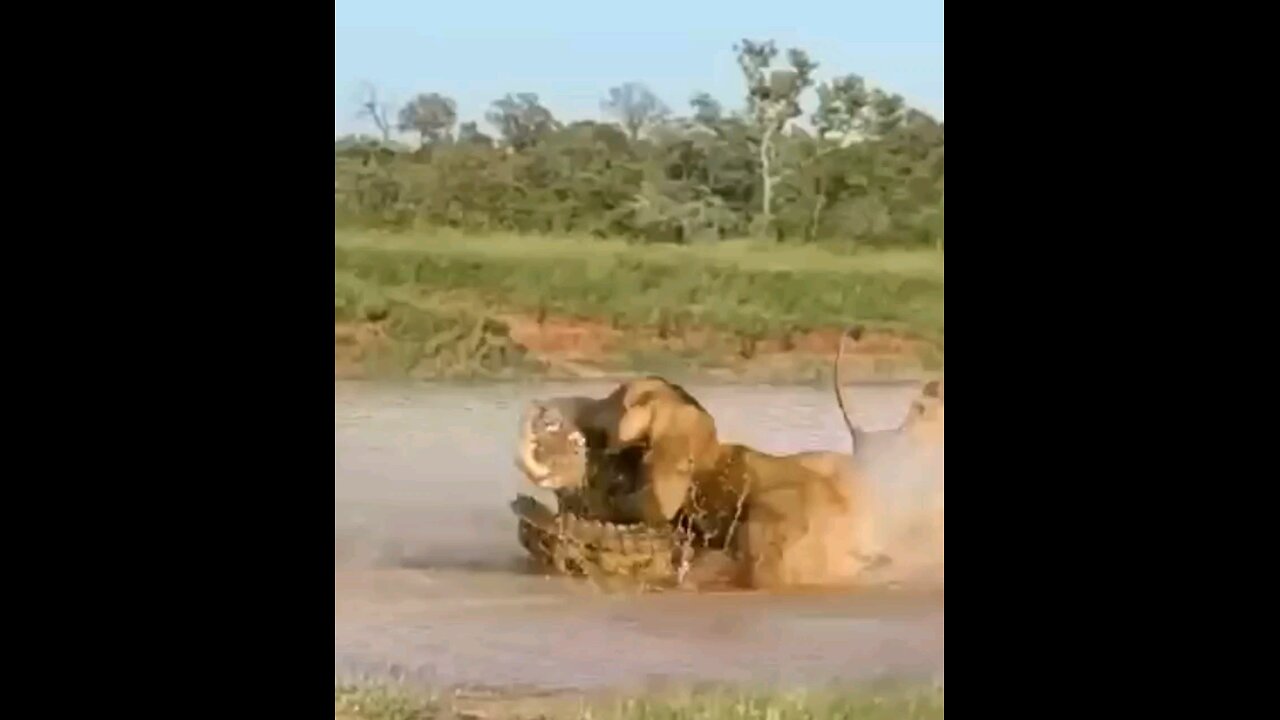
(560, 451)
(570, 544)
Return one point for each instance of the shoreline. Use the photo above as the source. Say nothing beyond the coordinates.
(498, 307)
(510, 347)
(887, 699)
(705, 381)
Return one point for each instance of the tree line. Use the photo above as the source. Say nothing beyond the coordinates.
(867, 171)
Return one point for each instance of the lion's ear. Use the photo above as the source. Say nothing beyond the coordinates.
(932, 389)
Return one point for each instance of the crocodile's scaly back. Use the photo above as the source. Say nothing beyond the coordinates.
(575, 545)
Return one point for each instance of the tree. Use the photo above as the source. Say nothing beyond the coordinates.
(773, 99)
(468, 133)
(635, 106)
(374, 109)
(521, 119)
(870, 172)
(852, 113)
(431, 115)
(706, 109)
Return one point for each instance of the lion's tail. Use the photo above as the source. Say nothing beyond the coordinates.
(853, 331)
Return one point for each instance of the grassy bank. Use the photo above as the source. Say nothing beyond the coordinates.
(890, 703)
(501, 305)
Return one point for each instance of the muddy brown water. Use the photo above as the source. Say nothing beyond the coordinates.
(430, 584)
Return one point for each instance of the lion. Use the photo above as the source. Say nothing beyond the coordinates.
(803, 519)
(555, 455)
(925, 427)
(678, 439)
(792, 520)
(800, 519)
(906, 464)
(924, 422)
(922, 425)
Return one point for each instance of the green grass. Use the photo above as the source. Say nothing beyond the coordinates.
(747, 288)
(745, 254)
(446, 340)
(888, 703)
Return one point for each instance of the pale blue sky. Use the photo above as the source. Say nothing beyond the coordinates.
(570, 52)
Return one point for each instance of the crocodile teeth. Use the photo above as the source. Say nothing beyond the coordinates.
(590, 531)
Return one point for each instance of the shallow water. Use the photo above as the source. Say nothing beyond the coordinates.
(430, 583)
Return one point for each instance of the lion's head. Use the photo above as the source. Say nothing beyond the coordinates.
(657, 412)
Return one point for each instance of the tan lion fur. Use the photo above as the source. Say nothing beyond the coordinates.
(803, 519)
(791, 520)
(904, 465)
(680, 440)
(924, 422)
(796, 520)
(920, 427)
